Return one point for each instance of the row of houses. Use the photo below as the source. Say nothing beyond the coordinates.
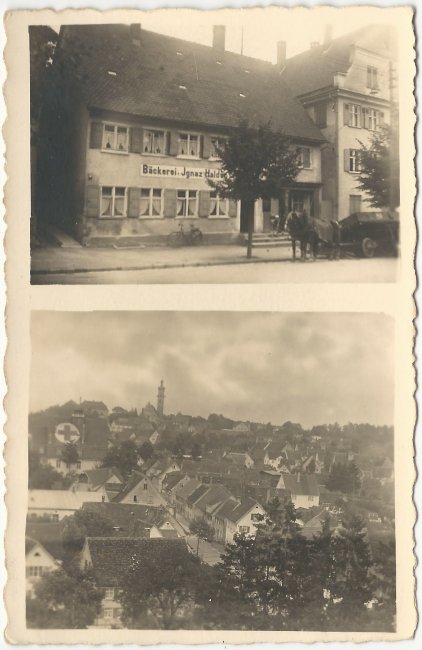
(146, 115)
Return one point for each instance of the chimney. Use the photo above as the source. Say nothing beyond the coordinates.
(135, 33)
(328, 34)
(281, 53)
(219, 37)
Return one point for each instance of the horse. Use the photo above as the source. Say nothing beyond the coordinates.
(311, 232)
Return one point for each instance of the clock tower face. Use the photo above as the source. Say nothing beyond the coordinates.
(67, 432)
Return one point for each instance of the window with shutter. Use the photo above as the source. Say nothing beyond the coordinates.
(347, 160)
(134, 195)
(346, 116)
(204, 203)
(96, 135)
(135, 139)
(232, 208)
(170, 203)
(92, 201)
(174, 143)
(206, 146)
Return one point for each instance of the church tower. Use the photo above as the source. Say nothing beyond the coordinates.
(160, 399)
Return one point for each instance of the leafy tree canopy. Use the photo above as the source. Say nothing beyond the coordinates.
(256, 163)
(374, 176)
(64, 601)
(124, 457)
(70, 454)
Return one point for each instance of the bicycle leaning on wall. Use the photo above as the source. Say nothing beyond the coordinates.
(193, 237)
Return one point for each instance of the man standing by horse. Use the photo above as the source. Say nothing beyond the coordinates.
(297, 227)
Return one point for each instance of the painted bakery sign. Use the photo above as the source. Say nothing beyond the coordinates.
(180, 172)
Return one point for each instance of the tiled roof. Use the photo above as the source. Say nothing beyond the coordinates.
(112, 557)
(199, 85)
(135, 479)
(101, 476)
(173, 479)
(49, 535)
(234, 511)
(29, 544)
(197, 494)
(215, 495)
(127, 518)
(60, 499)
(301, 484)
(315, 68)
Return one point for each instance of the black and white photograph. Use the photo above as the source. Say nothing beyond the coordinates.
(176, 485)
(185, 151)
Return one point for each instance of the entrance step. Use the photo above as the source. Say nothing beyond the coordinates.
(63, 239)
(267, 240)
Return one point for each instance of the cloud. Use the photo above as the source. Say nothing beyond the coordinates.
(306, 367)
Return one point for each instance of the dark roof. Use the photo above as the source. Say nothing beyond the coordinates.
(315, 68)
(234, 511)
(29, 544)
(112, 557)
(49, 535)
(99, 477)
(134, 480)
(129, 519)
(301, 484)
(219, 88)
(173, 479)
(197, 494)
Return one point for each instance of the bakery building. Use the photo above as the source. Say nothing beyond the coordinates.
(132, 129)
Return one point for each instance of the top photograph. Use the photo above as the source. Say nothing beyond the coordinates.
(185, 151)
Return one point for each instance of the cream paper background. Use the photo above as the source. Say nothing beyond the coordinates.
(394, 299)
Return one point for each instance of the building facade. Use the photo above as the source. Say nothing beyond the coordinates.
(347, 85)
(141, 124)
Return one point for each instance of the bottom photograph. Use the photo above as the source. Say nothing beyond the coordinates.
(211, 471)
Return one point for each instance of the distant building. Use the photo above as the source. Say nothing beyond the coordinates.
(38, 563)
(110, 559)
(56, 504)
(160, 399)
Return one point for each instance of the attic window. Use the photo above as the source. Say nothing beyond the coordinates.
(112, 73)
(242, 95)
(182, 87)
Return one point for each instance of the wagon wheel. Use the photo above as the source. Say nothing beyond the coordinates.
(368, 247)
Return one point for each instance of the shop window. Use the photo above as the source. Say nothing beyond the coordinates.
(372, 77)
(304, 157)
(115, 138)
(151, 202)
(218, 207)
(215, 145)
(113, 201)
(154, 142)
(187, 203)
(188, 145)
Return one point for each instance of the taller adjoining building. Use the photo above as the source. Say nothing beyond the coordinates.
(131, 129)
(348, 86)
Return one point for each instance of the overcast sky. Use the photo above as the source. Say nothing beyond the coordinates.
(308, 368)
(262, 27)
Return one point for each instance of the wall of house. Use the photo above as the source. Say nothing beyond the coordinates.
(169, 173)
(350, 137)
(44, 563)
(148, 496)
(305, 501)
(246, 521)
(55, 513)
(111, 610)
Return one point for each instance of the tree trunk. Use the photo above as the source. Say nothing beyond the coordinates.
(250, 207)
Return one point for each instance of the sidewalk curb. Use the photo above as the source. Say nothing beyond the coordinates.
(252, 260)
